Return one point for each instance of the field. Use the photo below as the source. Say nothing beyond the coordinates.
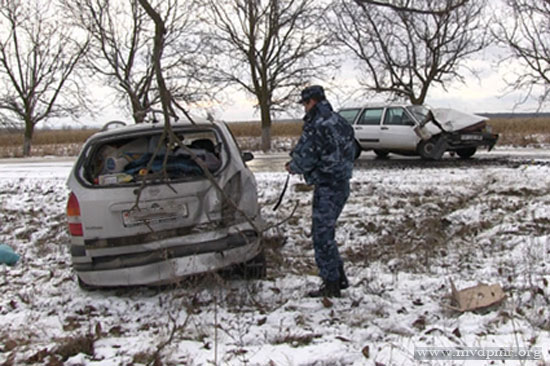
(406, 231)
(518, 132)
(533, 132)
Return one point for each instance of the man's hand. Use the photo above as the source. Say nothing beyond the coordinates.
(287, 167)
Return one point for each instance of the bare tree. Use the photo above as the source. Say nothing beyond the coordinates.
(269, 48)
(122, 34)
(411, 6)
(8, 124)
(403, 53)
(37, 62)
(170, 105)
(524, 30)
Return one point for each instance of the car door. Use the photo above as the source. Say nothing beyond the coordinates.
(396, 131)
(367, 128)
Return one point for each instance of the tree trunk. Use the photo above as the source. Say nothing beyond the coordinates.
(266, 126)
(27, 138)
(139, 117)
(417, 100)
(26, 146)
(138, 112)
(266, 138)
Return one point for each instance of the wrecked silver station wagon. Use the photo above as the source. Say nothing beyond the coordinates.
(418, 130)
(138, 221)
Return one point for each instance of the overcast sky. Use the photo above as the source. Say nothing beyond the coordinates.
(487, 92)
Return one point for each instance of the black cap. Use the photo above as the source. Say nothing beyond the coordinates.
(314, 91)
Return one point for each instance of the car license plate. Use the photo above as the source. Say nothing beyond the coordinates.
(471, 137)
(154, 214)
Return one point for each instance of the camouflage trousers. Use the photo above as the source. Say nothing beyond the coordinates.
(328, 202)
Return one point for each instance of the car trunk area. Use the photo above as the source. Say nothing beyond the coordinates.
(133, 159)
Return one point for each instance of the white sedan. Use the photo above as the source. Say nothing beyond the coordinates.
(418, 130)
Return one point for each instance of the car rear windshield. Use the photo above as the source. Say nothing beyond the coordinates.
(129, 159)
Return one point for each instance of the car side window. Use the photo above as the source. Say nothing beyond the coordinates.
(397, 117)
(349, 114)
(371, 116)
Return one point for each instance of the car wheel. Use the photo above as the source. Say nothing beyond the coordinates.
(382, 154)
(357, 150)
(431, 149)
(467, 152)
(255, 268)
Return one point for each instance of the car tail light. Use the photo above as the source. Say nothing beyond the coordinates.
(73, 216)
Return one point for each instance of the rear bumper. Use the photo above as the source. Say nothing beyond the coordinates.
(152, 263)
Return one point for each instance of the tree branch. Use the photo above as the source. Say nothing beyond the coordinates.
(448, 9)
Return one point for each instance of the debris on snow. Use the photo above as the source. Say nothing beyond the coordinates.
(7, 255)
(477, 297)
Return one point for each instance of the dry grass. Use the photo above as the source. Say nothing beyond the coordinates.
(253, 129)
(46, 137)
(521, 125)
(513, 131)
(45, 142)
(68, 142)
(522, 131)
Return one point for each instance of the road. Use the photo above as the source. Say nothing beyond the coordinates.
(36, 167)
(506, 156)
(59, 167)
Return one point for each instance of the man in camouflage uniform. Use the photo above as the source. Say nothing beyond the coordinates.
(324, 155)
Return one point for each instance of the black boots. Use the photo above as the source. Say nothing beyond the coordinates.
(327, 289)
(332, 288)
(344, 284)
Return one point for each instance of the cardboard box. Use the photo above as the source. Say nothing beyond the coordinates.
(476, 297)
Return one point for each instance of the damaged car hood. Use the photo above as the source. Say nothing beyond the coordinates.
(454, 120)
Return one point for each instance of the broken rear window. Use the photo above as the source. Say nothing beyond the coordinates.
(125, 159)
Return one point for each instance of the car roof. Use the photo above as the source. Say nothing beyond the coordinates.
(379, 105)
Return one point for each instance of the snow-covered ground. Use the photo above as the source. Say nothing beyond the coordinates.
(404, 234)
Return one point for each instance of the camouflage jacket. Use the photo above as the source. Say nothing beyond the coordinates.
(326, 150)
